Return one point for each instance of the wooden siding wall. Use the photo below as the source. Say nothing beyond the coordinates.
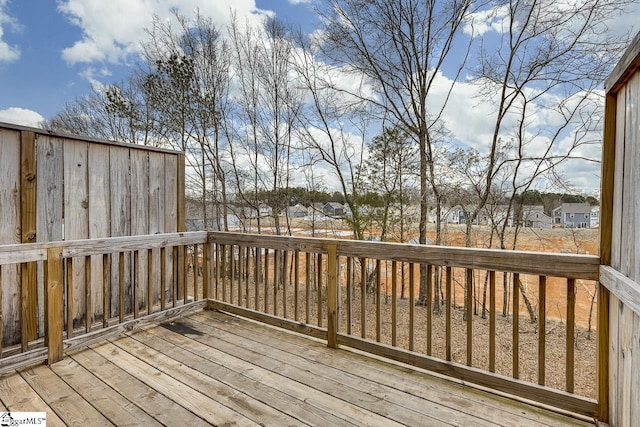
(57, 187)
(620, 237)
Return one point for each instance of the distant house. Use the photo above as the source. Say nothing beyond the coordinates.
(334, 210)
(315, 209)
(595, 217)
(297, 211)
(572, 215)
(534, 217)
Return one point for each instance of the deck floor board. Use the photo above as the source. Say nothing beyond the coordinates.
(210, 368)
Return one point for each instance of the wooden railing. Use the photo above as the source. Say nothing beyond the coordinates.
(364, 295)
(95, 288)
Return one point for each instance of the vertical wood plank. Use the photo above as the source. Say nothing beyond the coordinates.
(412, 303)
(516, 326)
(99, 220)
(106, 289)
(120, 204)
(256, 279)
(29, 297)
(10, 233)
(296, 284)
(266, 280)
(307, 295)
(276, 279)
(50, 166)
(88, 318)
(207, 248)
(448, 280)
(319, 289)
(170, 213)
(602, 361)
(378, 300)
(614, 359)
(363, 297)
(618, 181)
(571, 333)
(492, 321)
(76, 217)
(285, 255)
(635, 370)
(70, 295)
(469, 284)
(332, 296)
(139, 161)
(54, 310)
(542, 328)
(394, 302)
(156, 212)
(429, 308)
(349, 294)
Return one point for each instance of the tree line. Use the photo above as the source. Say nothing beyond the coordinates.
(362, 105)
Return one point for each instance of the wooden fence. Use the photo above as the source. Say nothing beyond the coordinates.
(620, 244)
(59, 187)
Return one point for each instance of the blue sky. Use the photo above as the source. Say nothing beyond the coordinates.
(47, 56)
(52, 50)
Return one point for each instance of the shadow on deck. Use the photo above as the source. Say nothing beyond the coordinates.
(214, 368)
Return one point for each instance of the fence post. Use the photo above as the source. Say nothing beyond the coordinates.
(54, 304)
(602, 354)
(332, 296)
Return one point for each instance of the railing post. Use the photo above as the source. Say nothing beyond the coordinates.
(332, 296)
(54, 304)
(602, 354)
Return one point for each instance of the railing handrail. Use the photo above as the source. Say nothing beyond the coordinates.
(572, 266)
(29, 252)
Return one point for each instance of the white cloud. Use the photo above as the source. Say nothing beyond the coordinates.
(8, 53)
(21, 116)
(112, 30)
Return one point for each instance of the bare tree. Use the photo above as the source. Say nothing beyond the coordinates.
(399, 48)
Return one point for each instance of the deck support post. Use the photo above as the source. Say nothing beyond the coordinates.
(54, 305)
(332, 296)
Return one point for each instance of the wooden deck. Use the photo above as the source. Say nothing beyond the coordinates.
(214, 369)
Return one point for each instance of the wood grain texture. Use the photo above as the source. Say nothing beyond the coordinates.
(29, 285)
(626, 67)
(524, 262)
(10, 306)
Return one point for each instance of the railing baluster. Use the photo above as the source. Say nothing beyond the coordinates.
(176, 273)
(411, 305)
(307, 286)
(256, 278)
(448, 315)
(247, 272)
(55, 304)
(468, 309)
(266, 280)
(121, 286)
(378, 299)
(394, 303)
(332, 296)
(163, 278)
(88, 312)
(196, 272)
(516, 326)
(349, 293)
(106, 290)
(276, 279)
(296, 284)
(150, 281)
(240, 271)
(492, 321)
(571, 337)
(363, 297)
(223, 271)
(1, 322)
(206, 265)
(232, 271)
(285, 255)
(429, 308)
(542, 328)
(136, 283)
(69, 265)
(319, 289)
